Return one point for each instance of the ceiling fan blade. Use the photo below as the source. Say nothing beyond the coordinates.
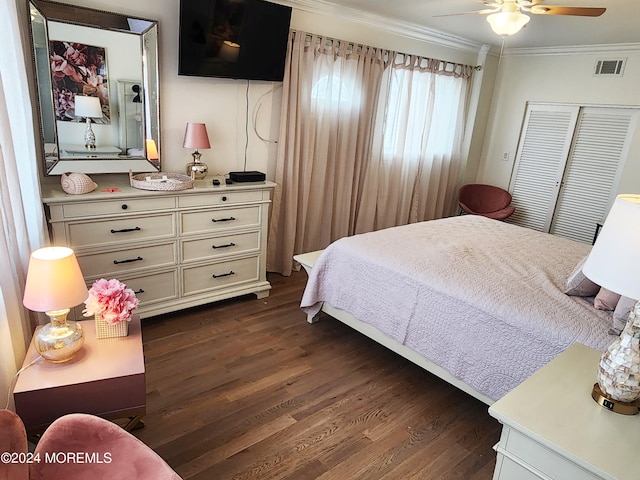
(558, 10)
(481, 12)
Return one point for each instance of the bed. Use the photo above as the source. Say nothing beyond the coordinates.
(478, 302)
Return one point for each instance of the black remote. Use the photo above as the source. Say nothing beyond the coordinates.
(216, 181)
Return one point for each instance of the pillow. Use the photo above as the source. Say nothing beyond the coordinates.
(621, 314)
(606, 300)
(578, 284)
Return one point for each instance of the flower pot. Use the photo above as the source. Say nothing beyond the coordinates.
(110, 330)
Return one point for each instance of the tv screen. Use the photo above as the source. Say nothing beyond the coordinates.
(243, 39)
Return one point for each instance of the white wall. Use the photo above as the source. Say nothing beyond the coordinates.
(221, 103)
(556, 78)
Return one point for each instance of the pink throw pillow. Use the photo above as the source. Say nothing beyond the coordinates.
(606, 300)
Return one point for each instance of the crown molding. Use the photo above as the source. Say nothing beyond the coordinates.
(405, 29)
(574, 50)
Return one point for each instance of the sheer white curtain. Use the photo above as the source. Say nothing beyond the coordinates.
(369, 139)
(415, 159)
(21, 213)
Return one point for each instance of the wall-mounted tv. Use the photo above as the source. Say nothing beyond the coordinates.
(243, 39)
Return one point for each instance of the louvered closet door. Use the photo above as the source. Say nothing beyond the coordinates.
(592, 173)
(542, 153)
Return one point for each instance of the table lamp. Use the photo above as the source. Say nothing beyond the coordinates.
(614, 263)
(88, 107)
(54, 284)
(196, 137)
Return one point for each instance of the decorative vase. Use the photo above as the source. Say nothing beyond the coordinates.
(110, 330)
(619, 370)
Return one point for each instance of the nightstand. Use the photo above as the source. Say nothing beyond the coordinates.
(106, 378)
(552, 428)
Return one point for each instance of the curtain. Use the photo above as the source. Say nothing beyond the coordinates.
(369, 138)
(330, 94)
(21, 214)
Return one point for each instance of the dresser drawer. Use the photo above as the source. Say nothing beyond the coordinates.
(529, 452)
(127, 260)
(113, 207)
(129, 229)
(220, 246)
(155, 287)
(219, 275)
(222, 198)
(219, 219)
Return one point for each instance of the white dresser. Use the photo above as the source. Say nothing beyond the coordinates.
(553, 429)
(175, 249)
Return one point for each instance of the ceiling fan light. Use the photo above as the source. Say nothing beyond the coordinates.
(507, 23)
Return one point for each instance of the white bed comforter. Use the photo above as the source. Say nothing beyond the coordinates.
(481, 298)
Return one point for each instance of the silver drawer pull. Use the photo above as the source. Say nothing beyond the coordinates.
(224, 246)
(140, 290)
(228, 219)
(124, 230)
(223, 274)
(129, 260)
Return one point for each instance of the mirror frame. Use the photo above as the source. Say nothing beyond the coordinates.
(53, 163)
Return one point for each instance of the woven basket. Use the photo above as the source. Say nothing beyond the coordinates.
(109, 330)
(161, 181)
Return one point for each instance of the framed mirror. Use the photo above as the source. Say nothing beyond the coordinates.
(98, 86)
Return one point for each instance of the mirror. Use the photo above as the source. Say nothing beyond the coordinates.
(81, 52)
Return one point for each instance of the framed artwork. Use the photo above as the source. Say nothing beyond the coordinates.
(78, 69)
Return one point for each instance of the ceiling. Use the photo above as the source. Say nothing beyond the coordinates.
(618, 25)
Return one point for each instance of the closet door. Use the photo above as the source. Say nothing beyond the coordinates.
(544, 146)
(600, 145)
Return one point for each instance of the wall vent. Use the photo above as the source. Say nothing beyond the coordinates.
(610, 67)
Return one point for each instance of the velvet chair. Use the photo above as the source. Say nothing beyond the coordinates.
(486, 200)
(83, 447)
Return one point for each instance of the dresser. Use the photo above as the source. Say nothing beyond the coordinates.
(553, 429)
(175, 249)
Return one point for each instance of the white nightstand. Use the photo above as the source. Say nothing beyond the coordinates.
(552, 428)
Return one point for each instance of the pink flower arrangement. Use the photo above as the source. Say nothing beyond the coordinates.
(111, 299)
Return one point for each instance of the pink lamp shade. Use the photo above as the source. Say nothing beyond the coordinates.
(196, 136)
(54, 280)
(152, 150)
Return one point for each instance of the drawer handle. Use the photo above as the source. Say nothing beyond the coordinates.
(124, 230)
(224, 246)
(140, 290)
(228, 219)
(223, 274)
(129, 260)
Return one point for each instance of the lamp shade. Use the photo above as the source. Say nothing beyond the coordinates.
(152, 149)
(54, 280)
(88, 107)
(614, 261)
(196, 136)
(507, 23)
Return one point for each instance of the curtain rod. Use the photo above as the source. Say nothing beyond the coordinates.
(308, 37)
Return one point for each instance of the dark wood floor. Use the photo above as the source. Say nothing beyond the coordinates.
(247, 389)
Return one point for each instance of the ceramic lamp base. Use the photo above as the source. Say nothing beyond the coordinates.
(625, 408)
(59, 340)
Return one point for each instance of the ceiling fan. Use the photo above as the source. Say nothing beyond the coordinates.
(506, 17)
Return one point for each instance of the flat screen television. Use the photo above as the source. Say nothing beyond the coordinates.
(242, 39)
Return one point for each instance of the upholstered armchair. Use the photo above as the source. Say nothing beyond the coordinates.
(486, 200)
(80, 446)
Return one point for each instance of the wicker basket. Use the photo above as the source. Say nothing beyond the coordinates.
(109, 330)
(161, 181)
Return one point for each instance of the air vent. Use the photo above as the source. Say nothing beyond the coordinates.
(610, 67)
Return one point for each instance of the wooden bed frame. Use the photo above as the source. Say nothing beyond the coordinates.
(307, 260)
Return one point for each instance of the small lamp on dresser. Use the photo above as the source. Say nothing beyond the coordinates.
(88, 107)
(614, 264)
(195, 136)
(54, 284)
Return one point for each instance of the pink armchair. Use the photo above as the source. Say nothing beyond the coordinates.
(486, 200)
(80, 446)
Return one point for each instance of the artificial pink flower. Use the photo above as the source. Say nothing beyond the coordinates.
(111, 299)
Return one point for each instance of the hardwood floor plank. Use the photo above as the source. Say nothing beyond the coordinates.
(247, 389)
